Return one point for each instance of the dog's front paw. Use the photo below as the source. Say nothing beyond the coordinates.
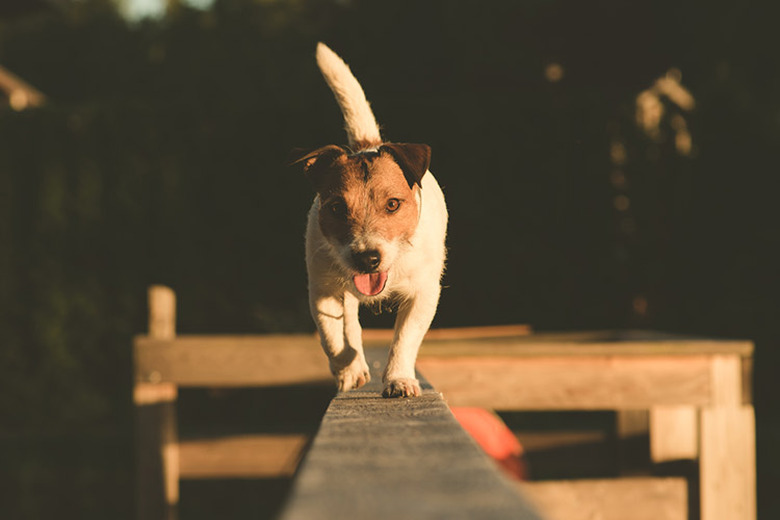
(402, 387)
(352, 376)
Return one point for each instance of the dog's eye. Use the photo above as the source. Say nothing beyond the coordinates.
(393, 205)
(338, 209)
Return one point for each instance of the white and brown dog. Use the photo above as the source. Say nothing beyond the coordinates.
(375, 232)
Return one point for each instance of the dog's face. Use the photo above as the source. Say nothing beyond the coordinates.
(369, 205)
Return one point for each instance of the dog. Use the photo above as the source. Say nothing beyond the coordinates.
(375, 233)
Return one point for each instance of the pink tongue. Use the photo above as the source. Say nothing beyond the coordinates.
(370, 284)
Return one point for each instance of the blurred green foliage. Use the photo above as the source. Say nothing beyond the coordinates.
(161, 158)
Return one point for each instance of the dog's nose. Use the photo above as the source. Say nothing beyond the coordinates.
(367, 260)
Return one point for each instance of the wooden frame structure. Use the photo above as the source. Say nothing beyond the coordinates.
(695, 392)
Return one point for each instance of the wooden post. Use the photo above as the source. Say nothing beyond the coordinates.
(674, 433)
(157, 448)
(727, 465)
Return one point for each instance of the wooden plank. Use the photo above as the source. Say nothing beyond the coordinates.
(246, 456)
(674, 433)
(570, 383)
(492, 331)
(727, 464)
(232, 360)
(572, 345)
(398, 458)
(291, 359)
(617, 499)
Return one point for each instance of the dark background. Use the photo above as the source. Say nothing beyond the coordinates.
(161, 156)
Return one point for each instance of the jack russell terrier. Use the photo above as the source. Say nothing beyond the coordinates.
(375, 233)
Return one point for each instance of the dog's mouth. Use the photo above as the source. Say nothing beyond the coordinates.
(370, 284)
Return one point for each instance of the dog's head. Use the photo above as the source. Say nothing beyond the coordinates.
(369, 205)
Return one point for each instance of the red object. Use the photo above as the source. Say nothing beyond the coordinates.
(495, 439)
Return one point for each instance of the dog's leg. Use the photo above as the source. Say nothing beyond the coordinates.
(414, 317)
(353, 336)
(334, 319)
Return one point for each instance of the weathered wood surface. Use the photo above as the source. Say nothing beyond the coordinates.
(612, 499)
(398, 458)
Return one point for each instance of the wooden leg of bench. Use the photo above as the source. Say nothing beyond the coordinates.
(728, 463)
(674, 433)
(157, 452)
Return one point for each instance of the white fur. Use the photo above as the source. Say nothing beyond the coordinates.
(359, 120)
(414, 267)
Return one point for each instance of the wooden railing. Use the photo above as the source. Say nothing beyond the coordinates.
(410, 458)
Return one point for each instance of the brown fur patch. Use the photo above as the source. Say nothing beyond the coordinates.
(355, 191)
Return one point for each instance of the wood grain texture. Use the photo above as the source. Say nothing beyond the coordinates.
(618, 499)
(398, 458)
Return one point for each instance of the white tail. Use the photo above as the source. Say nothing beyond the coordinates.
(359, 121)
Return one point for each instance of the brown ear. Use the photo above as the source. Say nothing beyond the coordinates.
(316, 161)
(413, 159)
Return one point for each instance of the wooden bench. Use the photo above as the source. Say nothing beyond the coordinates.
(696, 393)
(423, 483)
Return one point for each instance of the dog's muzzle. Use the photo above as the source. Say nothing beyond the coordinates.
(367, 261)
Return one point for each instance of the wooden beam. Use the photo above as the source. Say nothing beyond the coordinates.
(398, 458)
(570, 383)
(297, 358)
(562, 345)
(615, 499)
(455, 333)
(246, 456)
(232, 360)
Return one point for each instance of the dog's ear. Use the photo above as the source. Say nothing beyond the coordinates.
(413, 159)
(316, 161)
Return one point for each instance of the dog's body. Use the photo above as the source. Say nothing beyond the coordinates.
(375, 232)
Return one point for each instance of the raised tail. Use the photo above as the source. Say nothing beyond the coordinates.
(359, 121)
